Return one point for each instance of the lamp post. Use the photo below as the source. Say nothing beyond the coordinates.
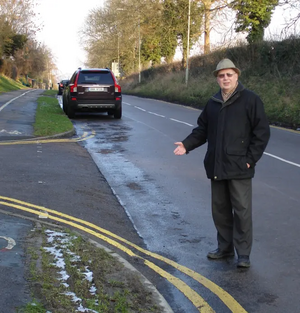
(139, 51)
(188, 45)
(118, 55)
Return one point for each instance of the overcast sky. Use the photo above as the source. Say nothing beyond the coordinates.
(62, 20)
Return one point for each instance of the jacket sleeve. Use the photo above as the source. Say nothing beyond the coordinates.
(198, 136)
(260, 131)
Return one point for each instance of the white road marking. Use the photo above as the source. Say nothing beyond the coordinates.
(173, 119)
(156, 114)
(13, 132)
(140, 109)
(11, 243)
(7, 103)
(281, 159)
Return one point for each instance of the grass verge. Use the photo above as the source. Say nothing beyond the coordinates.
(68, 273)
(50, 118)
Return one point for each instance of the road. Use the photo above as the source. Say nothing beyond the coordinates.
(167, 197)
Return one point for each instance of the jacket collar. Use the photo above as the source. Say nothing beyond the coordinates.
(218, 96)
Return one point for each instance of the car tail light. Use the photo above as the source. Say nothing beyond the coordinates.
(118, 98)
(61, 85)
(73, 87)
(117, 88)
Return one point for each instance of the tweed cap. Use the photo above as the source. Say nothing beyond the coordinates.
(224, 64)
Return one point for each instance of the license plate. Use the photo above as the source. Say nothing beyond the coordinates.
(96, 89)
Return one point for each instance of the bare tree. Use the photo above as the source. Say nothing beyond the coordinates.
(215, 15)
(293, 7)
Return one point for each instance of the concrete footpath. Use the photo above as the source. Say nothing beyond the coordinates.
(57, 176)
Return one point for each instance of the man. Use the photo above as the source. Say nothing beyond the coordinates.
(234, 125)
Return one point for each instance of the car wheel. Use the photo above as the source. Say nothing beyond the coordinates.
(118, 112)
(70, 112)
(64, 107)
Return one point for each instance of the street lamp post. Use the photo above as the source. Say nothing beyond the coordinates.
(118, 55)
(139, 51)
(188, 45)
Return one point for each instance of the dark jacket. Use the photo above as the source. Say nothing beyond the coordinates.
(237, 132)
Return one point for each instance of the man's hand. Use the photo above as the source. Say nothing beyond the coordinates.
(248, 165)
(180, 150)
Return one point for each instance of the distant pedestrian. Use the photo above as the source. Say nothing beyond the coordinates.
(236, 129)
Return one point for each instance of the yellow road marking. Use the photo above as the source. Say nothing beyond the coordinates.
(36, 140)
(224, 296)
(194, 297)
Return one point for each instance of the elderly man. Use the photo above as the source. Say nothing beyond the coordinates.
(235, 127)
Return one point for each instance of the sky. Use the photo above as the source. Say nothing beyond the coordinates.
(63, 19)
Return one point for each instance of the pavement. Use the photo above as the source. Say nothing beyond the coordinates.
(54, 175)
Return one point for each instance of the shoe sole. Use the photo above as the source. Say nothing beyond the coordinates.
(243, 265)
(223, 256)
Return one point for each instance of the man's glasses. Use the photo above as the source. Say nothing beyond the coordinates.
(227, 74)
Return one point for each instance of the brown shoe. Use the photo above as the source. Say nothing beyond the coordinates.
(243, 261)
(219, 254)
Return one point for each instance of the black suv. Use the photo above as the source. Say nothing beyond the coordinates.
(93, 89)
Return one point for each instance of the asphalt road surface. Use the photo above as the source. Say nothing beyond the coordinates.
(167, 198)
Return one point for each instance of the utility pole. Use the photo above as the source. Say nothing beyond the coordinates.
(188, 45)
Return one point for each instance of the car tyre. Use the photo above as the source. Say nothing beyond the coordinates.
(118, 113)
(64, 105)
(70, 112)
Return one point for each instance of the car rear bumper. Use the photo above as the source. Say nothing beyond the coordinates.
(96, 104)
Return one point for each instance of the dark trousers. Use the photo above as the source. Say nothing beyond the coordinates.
(232, 214)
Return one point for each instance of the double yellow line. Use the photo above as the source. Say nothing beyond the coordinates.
(193, 296)
(85, 136)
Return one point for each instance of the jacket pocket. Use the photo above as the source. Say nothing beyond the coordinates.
(237, 156)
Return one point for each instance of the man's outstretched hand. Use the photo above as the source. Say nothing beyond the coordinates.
(180, 150)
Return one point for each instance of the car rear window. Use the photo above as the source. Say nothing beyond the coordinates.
(95, 78)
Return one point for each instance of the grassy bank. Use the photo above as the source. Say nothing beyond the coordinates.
(272, 70)
(8, 84)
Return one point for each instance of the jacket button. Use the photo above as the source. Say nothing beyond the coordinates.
(215, 177)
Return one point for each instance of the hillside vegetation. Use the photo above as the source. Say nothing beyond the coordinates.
(271, 69)
(8, 84)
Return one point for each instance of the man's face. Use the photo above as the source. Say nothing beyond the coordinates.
(227, 79)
